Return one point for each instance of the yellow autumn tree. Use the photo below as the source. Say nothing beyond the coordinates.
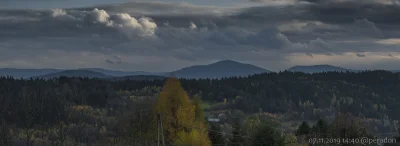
(179, 116)
(192, 138)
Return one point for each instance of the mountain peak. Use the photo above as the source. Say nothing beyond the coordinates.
(224, 68)
(227, 61)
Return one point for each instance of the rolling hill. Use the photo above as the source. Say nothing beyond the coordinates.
(226, 68)
(26, 73)
(75, 73)
(118, 73)
(317, 69)
(140, 77)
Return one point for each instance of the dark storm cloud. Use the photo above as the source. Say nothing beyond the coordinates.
(236, 31)
(161, 8)
(381, 12)
(345, 11)
(192, 33)
(367, 28)
(341, 19)
(106, 32)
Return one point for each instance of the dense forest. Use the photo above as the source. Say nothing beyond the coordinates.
(284, 108)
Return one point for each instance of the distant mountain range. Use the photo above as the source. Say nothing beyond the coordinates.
(119, 73)
(226, 68)
(220, 69)
(75, 73)
(26, 73)
(318, 68)
(140, 77)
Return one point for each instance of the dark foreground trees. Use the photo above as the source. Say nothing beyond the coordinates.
(215, 134)
(36, 112)
(304, 129)
(345, 126)
(238, 137)
(268, 136)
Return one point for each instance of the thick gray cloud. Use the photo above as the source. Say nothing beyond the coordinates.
(360, 55)
(345, 11)
(109, 61)
(117, 58)
(114, 36)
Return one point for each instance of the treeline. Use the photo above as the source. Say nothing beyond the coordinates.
(372, 94)
(68, 111)
(78, 111)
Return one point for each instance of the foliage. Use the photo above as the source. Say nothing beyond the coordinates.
(180, 115)
(347, 126)
(320, 127)
(304, 129)
(64, 110)
(268, 136)
(238, 137)
(215, 135)
(193, 137)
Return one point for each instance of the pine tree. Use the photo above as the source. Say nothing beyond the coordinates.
(320, 127)
(268, 136)
(214, 136)
(237, 136)
(303, 129)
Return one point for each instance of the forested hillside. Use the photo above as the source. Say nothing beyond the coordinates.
(372, 94)
(84, 111)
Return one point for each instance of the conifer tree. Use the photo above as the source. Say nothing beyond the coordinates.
(215, 136)
(237, 136)
(303, 129)
(268, 136)
(320, 127)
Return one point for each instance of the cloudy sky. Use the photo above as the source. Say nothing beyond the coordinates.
(171, 34)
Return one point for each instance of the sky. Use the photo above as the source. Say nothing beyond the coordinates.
(170, 34)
